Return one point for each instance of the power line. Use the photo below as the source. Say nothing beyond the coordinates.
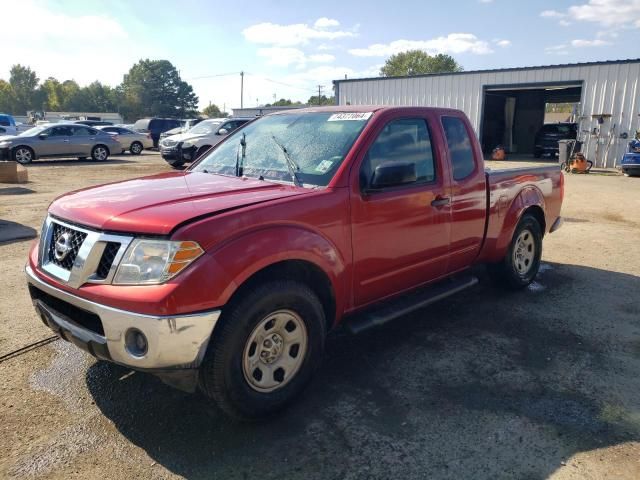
(214, 75)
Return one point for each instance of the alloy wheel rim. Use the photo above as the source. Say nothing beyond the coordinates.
(101, 153)
(135, 148)
(23, 155)
(274, 351)
(524, 252)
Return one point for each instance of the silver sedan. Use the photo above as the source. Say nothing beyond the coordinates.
(58, 140)
(129, 139)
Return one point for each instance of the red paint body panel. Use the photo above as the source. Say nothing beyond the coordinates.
(369, 246)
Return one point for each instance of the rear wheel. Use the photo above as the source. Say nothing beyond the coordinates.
(135, 148)
(23, 155)
(265, 350)
(521, 263)
(99, 153)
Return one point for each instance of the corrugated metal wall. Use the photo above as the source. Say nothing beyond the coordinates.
(607, 88)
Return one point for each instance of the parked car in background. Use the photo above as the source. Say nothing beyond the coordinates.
(546, 140)
(188, 125)
(93, 123)
(155, 127)
(7, 125)
(186, 147)
(130, 140)
(59, 140)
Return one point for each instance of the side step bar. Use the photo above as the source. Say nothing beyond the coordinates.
(391, 309)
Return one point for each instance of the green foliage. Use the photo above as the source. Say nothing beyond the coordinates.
(324, 100)
(213, 111)
(283, 103)
(151, 88)
(417, 62)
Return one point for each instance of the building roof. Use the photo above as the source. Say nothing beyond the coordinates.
(496, 70)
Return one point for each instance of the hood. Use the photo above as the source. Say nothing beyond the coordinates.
(157, 204)
(181, 137)
(4, 138)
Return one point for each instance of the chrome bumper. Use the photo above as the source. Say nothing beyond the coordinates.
(173, 342)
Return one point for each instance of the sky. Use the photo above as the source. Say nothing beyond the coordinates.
(287, 48)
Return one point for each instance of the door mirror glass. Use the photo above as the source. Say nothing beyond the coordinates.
(223, 131)
(392, 174)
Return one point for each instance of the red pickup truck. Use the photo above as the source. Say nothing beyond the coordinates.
(229, 275)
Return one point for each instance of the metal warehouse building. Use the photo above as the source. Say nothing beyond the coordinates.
(507, 106)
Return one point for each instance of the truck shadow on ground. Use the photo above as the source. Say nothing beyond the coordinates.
(483, 385)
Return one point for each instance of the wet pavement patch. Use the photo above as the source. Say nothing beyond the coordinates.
(11, 231)
(15, 191)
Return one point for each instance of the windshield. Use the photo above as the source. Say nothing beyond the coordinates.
(314, 143)
(33, 131)
(204, 128)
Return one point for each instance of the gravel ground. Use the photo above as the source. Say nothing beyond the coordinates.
(538, 384)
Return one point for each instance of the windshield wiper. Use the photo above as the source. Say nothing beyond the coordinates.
(239, 159)
(292, 166)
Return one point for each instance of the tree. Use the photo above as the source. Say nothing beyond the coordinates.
(416, 62)
(24, 82)
(213, 111)
(283, 103)
(6, 97)
(53, 95)
(324, 100)
(154, 88)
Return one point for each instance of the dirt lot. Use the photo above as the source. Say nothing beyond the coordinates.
(539, 384)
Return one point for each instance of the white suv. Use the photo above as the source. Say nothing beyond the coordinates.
(186, 147)
(7, 125)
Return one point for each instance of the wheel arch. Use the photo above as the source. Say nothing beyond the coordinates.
(305, 272)
(33, 150)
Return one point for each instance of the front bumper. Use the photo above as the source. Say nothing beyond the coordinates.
(177, 153)
(175, 344)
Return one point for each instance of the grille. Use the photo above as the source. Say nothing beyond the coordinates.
(81, 317)
(75, 241)
(109, 254)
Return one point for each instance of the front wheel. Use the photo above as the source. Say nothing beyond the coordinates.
(23, 155)
(99, 153)
(520, 265)
(265, 351)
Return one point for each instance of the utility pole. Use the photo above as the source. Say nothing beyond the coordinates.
(241, 89)
(319, 92)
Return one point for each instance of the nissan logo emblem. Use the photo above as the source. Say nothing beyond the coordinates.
(62, 246)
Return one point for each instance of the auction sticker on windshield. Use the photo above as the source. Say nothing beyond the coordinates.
(338, 117)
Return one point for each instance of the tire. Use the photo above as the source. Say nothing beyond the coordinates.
(23, 155)
(136, 148)
(176, 164)
(99, 153)
(243, 371)
(200, 152)
(521, 263)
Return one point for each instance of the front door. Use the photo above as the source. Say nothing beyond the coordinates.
(400, 235)
(55, 142)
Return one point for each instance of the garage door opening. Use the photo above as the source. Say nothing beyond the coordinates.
(512, 115)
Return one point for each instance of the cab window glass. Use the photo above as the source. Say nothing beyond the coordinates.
(405, 140)
(460, 150)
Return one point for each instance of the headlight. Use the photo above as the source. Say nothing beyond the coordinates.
(187, 144)
(148, 262)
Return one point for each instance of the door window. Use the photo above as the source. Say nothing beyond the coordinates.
(405, 140)
(460, 150)
(80, 131)
(59, 132)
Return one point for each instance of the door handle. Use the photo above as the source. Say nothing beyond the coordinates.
(66, 141)
(440, 201)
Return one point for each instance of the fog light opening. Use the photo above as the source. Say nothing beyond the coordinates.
(136, 343)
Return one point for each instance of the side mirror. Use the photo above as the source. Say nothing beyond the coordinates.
(392, 174)
(43, 136)
(223, 131)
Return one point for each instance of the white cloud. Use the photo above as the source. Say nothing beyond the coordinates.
(285, 56)
(564, 23)
(321, 58)
(325, 22)
(294, 34)
(55, 44)
(452, 43)
(603, 12)
(502, 43)
(485, 1)
(557, 50)
(579, 43)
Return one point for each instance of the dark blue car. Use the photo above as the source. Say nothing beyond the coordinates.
(631, 161)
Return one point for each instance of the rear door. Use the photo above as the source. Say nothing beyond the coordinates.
(468, 190)
(400, 235)
(81, 140)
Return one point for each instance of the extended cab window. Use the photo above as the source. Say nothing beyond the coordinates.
(405, 140)
(460, 150)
